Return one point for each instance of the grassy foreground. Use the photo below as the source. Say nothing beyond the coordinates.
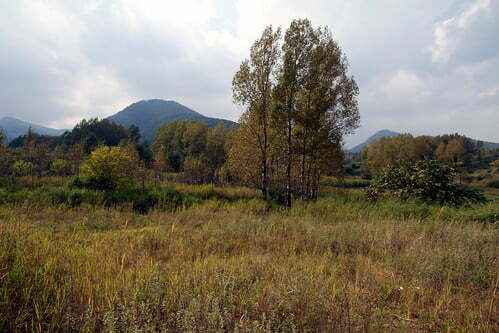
(334, 265)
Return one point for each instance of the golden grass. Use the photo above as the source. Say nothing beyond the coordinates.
(235, 267)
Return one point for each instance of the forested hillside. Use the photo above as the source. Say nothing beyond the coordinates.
(151, 114)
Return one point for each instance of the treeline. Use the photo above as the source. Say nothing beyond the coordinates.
(181, 146)
(299, 103)
(195, 149)
(458, 150)
(62, 155)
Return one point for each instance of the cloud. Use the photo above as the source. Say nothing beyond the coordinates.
(420, 65)
(450, 33)
(494, 91)
(404, 84)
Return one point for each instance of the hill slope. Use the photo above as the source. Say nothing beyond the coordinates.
(378, 135)
(149, 115)
(386, 133)
(14, 127)
(487, 144)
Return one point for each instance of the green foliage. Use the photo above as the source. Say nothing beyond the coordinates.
(493, 184)
(60, 167)
(450, 148)
(162, 199)
(344, 183)
(93, 132)
(109, 169)
(149, 115)
(426, 180)
(34, 138)
(197, 171)
(299, 103)
(194, 142)
(22, 168)
(175, 160)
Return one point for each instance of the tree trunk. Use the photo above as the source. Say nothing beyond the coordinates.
(288, 167)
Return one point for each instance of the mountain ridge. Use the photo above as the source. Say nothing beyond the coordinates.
(376, 136)
(388, 133)
(14, 127)
(150, 114)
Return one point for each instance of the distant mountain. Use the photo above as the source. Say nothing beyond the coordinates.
(487, 144)
(14, 127)
(149, 115)
(386, 133)
(378, 135)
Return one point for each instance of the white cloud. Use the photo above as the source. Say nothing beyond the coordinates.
(448, 33)
(494, 91)
(405, 85)
(64, 60)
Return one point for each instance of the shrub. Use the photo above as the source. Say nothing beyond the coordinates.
(347, 183)
(493, 184)
(142, 202)
(426, 180)
(108, 169)
(60, 167)
(197, 171)
(22, 168)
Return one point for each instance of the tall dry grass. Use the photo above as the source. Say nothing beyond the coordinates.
(224, 267)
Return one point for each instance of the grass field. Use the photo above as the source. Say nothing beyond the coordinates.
(339, 264)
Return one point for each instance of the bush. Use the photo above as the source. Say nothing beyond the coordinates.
(197, 171)
(426, 180)
(277, 195)
(108, 169)
(347, 183)
(60, 167)
(22, 168)
(141, 202)
(493, 184)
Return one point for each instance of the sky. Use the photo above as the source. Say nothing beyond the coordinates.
(423, 67)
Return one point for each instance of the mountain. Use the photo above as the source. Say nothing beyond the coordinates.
(149, 115)
(487, 144)
(385, 133)
(14, 127)
(378, 135)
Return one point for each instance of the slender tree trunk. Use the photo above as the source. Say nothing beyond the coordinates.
(288, 167)
(303, 166)
(265, 183)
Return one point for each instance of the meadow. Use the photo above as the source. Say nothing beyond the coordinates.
(229, 263)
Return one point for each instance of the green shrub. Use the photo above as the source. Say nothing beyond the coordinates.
(493, 184)
(348, 183)
(22, 168)
(426, 180)
(3, 195)
(141, 202)
(277, 195)
(109, 169)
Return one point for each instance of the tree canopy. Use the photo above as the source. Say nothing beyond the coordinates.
(300, 102)
(398, 150)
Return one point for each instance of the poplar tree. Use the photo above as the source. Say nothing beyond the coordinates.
(300, 102)
(252, 86)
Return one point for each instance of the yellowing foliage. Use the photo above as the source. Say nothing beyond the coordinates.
(109, 168)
